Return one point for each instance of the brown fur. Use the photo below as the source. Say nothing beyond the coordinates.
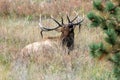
(48, 44)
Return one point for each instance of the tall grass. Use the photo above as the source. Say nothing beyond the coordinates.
(33, 8)
(56, 65)
(18, 29)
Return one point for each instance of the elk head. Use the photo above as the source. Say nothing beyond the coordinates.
(67, 31)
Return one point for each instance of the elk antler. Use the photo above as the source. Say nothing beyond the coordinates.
(56, 21)
(48, 29)
(62, 21)
(78, 22)
(70, 21)
(74, 18)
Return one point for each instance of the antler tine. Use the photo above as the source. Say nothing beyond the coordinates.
(45, 29)
(78, 22)
(41, 27)
(41, 33)
(62, 20)
(74, 18)
(56, 21)
(68, 19)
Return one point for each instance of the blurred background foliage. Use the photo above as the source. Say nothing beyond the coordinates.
(33, 8)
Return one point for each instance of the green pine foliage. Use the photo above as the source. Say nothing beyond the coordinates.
(116, 59)
(97, 5)
(110, 7)
(107, 17)
(97, 50)
(111, 36)
(96, 20)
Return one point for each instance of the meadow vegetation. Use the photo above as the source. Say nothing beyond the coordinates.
(19, 26)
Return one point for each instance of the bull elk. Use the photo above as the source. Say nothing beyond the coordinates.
(66, 38)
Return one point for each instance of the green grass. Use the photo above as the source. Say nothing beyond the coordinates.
(16, 33)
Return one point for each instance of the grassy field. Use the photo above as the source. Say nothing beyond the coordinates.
(16, 31)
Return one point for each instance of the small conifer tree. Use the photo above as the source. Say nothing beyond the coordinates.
(107, 16)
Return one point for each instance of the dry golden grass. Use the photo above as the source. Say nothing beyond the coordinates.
(53, 65)
(33, 8)
(15, 33)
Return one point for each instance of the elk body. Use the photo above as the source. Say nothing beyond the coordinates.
(66, 38)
